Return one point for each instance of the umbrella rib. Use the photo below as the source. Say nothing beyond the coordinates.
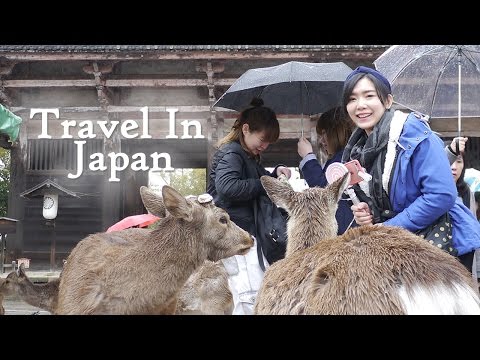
(450, 57)
(468, 56)
(412, 61)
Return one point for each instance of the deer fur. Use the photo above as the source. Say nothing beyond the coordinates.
(367, 270)
(206, 291)
(44, 295)
(141, 271)
(2, 284)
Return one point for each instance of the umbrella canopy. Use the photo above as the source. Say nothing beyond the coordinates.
(438, 80)
(142, 220)
(291, 88)
(472, 178)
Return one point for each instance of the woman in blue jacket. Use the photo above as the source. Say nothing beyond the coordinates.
(333, 130)
(411, 184)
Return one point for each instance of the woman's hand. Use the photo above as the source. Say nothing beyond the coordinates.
(361, 213)
(461, 144)
(285, 171)
(304, 147)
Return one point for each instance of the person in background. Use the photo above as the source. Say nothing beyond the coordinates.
(333, 130)
(477, 202)
(412, 184)
(458, 167)
(234, 190)
(455, 152)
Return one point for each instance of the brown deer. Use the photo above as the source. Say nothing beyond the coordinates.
(206, 291)
(42, 295)
(141, 271)
(367, 270)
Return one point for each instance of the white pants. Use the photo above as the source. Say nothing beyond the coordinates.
(245, 277)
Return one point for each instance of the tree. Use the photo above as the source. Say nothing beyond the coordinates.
(4, 181)
(185, 181)
(189, 181)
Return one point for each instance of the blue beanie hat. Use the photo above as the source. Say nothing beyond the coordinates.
(375, 73)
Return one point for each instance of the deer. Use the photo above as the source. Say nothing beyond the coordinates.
(376, 269)
(141, 271)
(206, 292)
(42, 295)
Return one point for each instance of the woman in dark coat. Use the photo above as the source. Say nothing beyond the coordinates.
(234, 189)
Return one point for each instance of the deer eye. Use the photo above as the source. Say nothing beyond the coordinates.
(223, 219)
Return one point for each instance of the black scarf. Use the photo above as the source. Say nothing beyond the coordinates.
(370, 151)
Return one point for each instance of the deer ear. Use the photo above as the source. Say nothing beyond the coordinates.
(176, 204)
(339, 186)
(21, 270)
(278, 191)
(152, 201)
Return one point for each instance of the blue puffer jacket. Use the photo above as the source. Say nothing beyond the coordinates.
(422, 187)
(314, 175)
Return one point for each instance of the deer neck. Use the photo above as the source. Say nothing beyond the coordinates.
(304, 233)
(179, 247)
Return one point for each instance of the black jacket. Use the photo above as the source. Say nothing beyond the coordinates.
(231, 185)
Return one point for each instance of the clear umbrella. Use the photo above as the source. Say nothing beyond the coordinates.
(441, 81)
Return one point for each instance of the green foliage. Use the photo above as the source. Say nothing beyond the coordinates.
(189, 181)
(185, 181)
(4, 181)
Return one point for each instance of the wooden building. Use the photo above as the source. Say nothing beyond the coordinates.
(82, 91)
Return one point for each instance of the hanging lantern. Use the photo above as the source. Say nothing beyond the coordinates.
(50, 206)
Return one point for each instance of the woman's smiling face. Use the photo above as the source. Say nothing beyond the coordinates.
(365, 107)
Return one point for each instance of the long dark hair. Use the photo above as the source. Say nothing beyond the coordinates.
(462, 187)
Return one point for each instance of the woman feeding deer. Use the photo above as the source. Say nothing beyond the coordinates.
(234, 183)
(412, 185)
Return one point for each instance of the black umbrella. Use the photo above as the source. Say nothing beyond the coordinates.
(291, 88)
(438, 80)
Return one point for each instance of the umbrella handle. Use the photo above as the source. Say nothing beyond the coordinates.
(457, 147)
(302, 125)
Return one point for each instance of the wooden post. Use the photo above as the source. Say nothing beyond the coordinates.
(2, 257)
(51, 224)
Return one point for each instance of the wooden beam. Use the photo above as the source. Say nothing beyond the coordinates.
(49, 83)
(449, 126)
(122, 109)
(101, 67)
(166, 82)
(283, 53)
(116, 83)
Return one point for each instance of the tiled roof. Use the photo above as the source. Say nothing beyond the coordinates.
(143, 48)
